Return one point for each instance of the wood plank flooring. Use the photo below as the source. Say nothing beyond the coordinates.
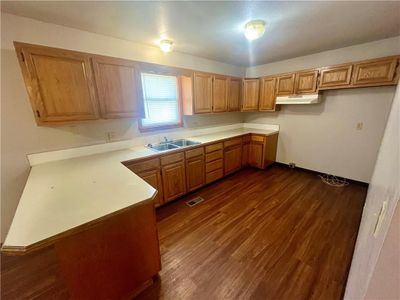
(275, 234)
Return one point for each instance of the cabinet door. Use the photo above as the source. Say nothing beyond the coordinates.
(173, 177)
(251, 89)
(234, 94)
(271, 147)
(285, 85)
(202, 93)
(374, 71)
(335, 77)
(232, 159)
(220, 94)
(59, 82)
(154, 179)
(195, 173)
(256, 154)
(267, 95)
(245, 154)
(306, 82)
(117, 87)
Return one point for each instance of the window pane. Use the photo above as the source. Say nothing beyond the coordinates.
(160, 100)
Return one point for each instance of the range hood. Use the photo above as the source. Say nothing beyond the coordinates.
(299, 99)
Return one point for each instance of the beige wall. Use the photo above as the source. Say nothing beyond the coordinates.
(21, 136)
(374, 49)
(323, 137)
(385, 281)
(373, 267)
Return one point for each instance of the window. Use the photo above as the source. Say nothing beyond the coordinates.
(161, 102)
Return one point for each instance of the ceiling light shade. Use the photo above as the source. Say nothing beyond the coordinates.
(254, 29)
(166, 45)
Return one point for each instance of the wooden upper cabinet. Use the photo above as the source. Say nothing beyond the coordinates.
(335, 77)
(202, 93)
(285, 84)
(306, 82)
(220, 93)
(375, 71)
(59, 82)
(267, 94)
(118, 87)
(251, 90)
(234, 94)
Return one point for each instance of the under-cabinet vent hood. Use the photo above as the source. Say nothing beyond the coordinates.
(299, 99)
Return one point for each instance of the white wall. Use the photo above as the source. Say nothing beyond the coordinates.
(323, 137)
(21, 136)
(385, 280)
(384, 188)
(374, 49)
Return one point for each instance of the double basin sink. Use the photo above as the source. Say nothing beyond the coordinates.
(164, 146)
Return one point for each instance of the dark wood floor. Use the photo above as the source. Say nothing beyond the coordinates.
(275, 234)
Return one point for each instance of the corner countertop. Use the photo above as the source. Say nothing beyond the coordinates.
(65, 195)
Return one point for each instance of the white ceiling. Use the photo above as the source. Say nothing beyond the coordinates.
(214, 29)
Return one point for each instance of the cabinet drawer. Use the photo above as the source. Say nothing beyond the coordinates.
(214, 165)
(257, 138)
(213, 147)
(169, 159)
(146, 165)
(214, 155)
(232, 142)
(212, 176)
(194, 152)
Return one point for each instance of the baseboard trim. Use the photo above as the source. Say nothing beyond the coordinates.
(319, 173)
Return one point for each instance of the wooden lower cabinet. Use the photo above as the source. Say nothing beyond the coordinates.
(262, 150)
(153, 178)
(177, 173)
(255, 158)
(232, 159)
(113, 259)
(174, 183)
(271, 147)
(214, 162)
(256, 151)
(245, 153)
(195, 173)
(232, 155)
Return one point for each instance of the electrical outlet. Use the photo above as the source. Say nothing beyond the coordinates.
(360, 126)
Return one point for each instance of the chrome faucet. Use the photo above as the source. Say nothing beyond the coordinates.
(165, 139)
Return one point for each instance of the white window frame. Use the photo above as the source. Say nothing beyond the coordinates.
(153, 127)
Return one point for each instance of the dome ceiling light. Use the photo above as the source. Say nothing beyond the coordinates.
(254, 29)
(166, 45)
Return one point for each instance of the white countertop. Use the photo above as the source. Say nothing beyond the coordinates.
(62, 195)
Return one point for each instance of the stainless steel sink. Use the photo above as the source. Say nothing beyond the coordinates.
(172, 145)
(184, 143)
(163, 147)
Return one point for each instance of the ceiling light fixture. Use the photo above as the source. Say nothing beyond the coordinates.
(166, 45)
(254, 29)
